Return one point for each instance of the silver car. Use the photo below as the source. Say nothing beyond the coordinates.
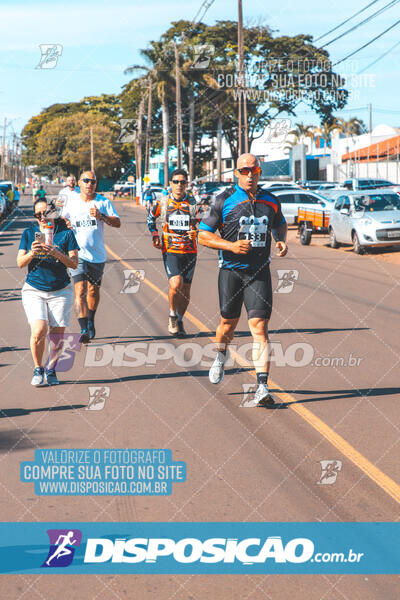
(365, 219)
(292, 199)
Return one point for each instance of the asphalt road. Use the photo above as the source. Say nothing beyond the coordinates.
(335, 375)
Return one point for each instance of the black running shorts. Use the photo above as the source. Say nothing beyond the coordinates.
(180, 264)
(254, 289)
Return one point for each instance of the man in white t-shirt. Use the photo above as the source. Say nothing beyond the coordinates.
(87, 213)
(69, 188)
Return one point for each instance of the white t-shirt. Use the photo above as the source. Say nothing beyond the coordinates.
(65, 193)
(88, 231)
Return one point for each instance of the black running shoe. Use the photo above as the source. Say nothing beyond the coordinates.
(181, 330)
(91, 329)
(84, 339)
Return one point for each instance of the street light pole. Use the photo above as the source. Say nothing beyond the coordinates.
(91, 151)
(3, 152)
(178, 108)
(242, 104)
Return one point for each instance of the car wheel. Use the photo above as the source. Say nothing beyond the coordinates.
(358, 249)
(332, 239)
(305, 235)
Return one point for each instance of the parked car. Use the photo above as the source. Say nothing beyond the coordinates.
(315, 184)
(219, 190)
(367, 219)
(207, 188)
(366, 184)
(278, 185)
(3, 206)
(291, 200)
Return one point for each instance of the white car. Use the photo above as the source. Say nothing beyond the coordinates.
(3, 205)
(365, 219)
(291, 200)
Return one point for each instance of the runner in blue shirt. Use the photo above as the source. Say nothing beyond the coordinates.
(245, 217)
(47, 295)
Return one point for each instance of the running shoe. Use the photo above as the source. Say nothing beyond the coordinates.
(91, 329)
(51, 377)
(84, 339)
(262, 397)
(38, 377)
(181, 330)
(216, 373)
(173, 327)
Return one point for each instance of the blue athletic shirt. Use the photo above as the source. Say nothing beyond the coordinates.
(46, 273)
(236, 216)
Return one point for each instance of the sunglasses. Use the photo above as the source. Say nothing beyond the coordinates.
(40, 215)
(179, 181)
(87, 180)
(248, 170)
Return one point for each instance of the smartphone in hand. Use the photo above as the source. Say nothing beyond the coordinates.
(39, 237)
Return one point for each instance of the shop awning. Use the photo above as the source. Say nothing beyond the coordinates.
(387, 149)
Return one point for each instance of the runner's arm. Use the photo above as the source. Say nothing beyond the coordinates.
(108, 214)
(24, 258)
(111, 220)
(279, 231)
(70, 260)
(152, 214)
(211, 240)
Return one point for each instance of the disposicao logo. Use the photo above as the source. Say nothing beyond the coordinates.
(62, 547)
(190, 550)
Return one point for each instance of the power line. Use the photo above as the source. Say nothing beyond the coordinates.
(375, 14)
(346, 21)
(367, 44)
(379, 58)
(206, 5)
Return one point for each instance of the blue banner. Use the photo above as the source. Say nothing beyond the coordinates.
(200, 548)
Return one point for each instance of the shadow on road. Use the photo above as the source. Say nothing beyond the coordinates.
(11, 349)
(319, 330)
(144, 377)
(342, 394)
(22, 412)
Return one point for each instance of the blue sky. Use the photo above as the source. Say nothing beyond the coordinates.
(101, 38)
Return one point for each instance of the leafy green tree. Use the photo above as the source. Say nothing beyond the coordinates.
(65, 142)
(106, 105)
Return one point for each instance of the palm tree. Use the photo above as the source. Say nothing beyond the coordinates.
(351, 127)
(325, 131)
(159, 74)
(300, 133)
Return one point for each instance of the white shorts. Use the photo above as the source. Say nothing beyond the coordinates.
(53, 307)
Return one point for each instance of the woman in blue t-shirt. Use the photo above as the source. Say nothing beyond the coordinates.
(47, 295)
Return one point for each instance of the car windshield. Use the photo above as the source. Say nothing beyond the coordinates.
(377, 202)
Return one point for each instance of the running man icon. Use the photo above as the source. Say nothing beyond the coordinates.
(60, 555)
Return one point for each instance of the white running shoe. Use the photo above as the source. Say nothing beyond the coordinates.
(38, 377)
(262, 397)
(216, 373)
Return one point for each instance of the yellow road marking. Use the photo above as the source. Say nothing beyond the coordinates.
(378, 476)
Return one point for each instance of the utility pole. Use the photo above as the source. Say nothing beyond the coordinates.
(191, 139)
(219, 147)
(148, 129)
(140, 138)
(91, 151)
(370, 117)
(3, 151)
(178, 108)
(242, 104)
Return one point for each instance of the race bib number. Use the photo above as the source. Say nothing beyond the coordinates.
(253, 229)
(179, 222)
(87, 223)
